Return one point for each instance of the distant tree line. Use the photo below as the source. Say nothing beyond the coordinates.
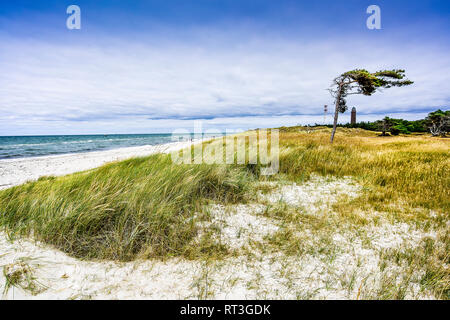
(437, 123)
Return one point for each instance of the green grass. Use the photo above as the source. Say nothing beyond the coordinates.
(139, 208)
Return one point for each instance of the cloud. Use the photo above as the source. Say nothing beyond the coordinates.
(84, 85)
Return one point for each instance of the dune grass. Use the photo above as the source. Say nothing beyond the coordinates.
(139, 208)
(400, 174)
(404, 179)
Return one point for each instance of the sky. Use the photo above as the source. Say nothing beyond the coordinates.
(158, 66)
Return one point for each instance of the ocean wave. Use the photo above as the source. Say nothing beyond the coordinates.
(22, 147)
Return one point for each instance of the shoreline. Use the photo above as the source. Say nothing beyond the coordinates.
(17, 171)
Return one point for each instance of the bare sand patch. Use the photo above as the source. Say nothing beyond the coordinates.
(315, 195)
(239, 224)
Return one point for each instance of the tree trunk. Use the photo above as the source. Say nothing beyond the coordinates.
(336, 115)
(434, 130)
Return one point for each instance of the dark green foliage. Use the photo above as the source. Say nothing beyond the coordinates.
(360, 81)
(436, 122)
(387, 124)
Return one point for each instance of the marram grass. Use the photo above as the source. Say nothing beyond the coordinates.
(139, 208)
(409, 172)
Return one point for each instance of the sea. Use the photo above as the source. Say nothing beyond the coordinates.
(33, 146)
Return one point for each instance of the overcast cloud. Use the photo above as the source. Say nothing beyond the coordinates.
(128, 84)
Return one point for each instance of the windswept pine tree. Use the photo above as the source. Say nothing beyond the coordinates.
(385, 125)
(361, 81)
(438, 122)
